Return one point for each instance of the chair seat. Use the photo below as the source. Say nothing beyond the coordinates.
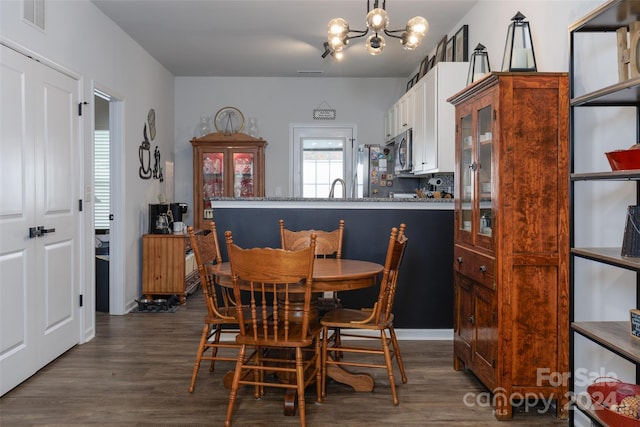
(351, 318)
(293, 340)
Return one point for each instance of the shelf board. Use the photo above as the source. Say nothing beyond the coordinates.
(627, 175)
(614, 336)
(608, 17)
(609, 256)
(625, 93)
(590, 413)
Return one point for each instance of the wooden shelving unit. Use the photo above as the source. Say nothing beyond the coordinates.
(614, 336)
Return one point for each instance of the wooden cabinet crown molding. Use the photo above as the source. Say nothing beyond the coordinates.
(232, 138)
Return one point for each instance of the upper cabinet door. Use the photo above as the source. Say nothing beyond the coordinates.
(475, 171)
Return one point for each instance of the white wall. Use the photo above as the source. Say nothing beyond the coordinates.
(548, 19)
(277, 103)
(81, 39)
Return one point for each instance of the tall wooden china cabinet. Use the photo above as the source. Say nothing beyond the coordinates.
(225, 165)
(511, 237)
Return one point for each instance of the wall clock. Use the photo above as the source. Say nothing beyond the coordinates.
(228, 120)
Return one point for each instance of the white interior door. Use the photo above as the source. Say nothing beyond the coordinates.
(39, 176)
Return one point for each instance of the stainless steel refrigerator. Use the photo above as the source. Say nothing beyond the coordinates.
(374, 170)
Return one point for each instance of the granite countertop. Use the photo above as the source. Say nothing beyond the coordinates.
(333, 203)
(335, 199)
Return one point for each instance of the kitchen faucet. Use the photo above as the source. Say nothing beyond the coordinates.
(344, 187)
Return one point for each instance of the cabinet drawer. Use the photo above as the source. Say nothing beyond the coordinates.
(475, 265)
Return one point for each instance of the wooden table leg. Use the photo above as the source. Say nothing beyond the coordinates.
(290, 401)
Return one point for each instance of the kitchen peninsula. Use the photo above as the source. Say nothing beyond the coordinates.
(424, 299)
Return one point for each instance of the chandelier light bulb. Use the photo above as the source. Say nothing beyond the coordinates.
(377, 19)
(411, 41)
(336, 42)
(418, 25)
(338, 27)
(339, 54)
(375, 44)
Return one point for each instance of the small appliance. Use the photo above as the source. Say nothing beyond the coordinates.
(163, 215)
(403, 146)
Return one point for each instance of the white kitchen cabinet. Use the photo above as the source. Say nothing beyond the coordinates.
(391, 123)
(434, 128)
(405, 112)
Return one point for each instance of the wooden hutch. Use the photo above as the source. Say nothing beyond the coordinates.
(225, 165)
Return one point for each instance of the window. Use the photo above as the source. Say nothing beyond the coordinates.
(322, 155)
(322, 162)
(102, 208)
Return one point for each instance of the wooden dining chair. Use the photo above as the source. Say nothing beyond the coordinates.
(221, 310)
(328, 245)
(352, 323)
(277, 283)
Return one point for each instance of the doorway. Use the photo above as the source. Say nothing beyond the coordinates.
(323, 155)
(107, 202)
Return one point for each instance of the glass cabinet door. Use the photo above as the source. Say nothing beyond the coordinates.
(466, 174)
(212, 177)
(243, 174)
(484, 170)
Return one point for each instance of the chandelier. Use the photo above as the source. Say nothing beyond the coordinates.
(377, 20)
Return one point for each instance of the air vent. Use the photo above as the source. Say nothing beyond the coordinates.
(309, 72)
(34, 12)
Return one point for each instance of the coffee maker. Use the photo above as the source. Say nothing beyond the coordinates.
(163, 215)
(178, 210)
(160, 221)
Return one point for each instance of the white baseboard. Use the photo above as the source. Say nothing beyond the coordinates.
(402, 334)
(417, 334)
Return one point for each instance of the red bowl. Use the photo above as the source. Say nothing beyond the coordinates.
(621, 160)
(612, 391)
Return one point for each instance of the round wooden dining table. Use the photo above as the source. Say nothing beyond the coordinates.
(329, 275)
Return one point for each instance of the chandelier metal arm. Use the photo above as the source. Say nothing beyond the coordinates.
(390, 33)
(359, 33)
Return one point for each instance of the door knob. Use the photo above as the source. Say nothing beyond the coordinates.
(46, 230)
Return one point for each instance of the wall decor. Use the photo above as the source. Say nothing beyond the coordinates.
(462, 44)
(157, 169)
(431, 63)
(449, 50)
(151, 119)
(144, 153)
(440, 50)
(228, 120)
(324, 111)
(423, 67)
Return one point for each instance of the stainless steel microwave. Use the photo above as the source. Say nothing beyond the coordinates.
(403, 149)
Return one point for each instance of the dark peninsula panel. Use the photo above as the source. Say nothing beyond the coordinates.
(424, 299)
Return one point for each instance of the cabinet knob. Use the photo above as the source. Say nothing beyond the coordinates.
(483, 268)
(459, 259)
(472, 319)
(473, 166)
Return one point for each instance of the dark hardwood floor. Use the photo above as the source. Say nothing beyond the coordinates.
(136, 372)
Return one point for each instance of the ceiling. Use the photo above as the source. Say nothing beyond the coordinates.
(269, 38)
